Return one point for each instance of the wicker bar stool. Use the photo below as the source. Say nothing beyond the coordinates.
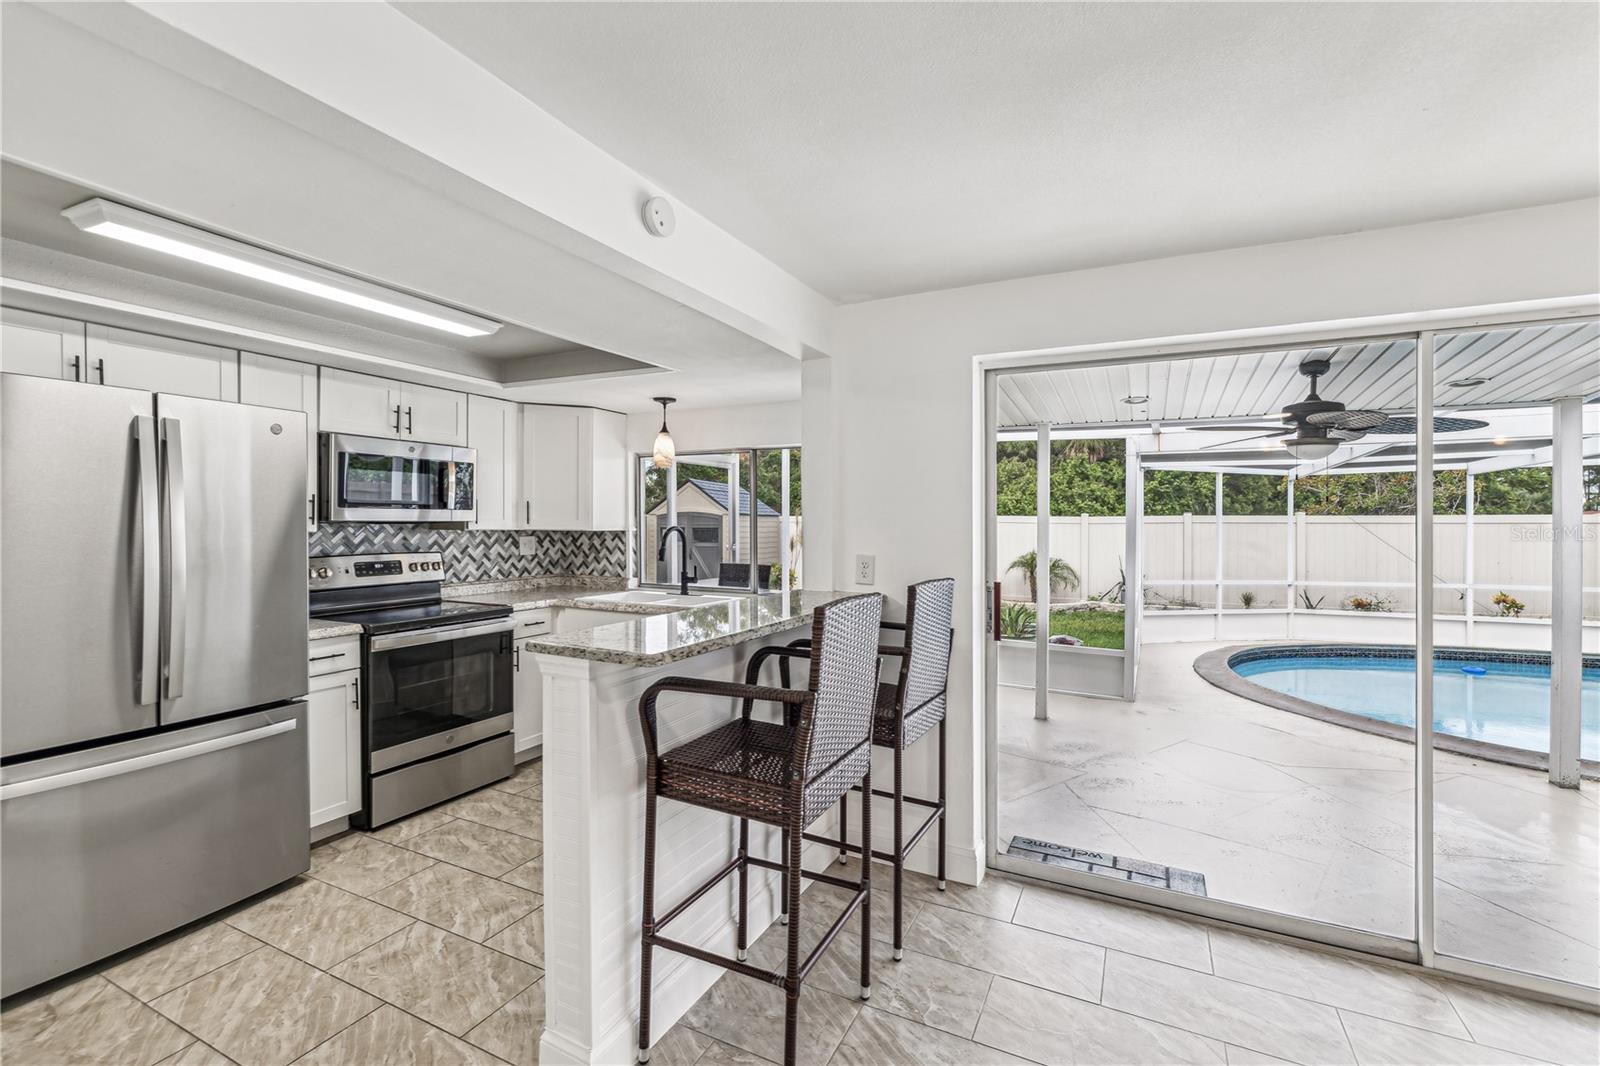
(906, 711)
(784, 775)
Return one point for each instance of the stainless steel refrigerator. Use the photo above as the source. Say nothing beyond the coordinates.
(152, 665)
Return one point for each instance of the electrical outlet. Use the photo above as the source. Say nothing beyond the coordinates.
(866, 569)
(526, 546)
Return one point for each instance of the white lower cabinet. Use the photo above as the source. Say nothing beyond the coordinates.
(333, 744)
(527, 694)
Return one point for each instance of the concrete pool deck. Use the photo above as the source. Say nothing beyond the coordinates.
(1292, 814)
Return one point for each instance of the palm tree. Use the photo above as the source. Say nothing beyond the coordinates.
(1062, 576)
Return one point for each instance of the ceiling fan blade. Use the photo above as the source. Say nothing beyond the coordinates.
(1356, 420)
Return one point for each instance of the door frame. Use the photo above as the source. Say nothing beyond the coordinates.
(1420, 949)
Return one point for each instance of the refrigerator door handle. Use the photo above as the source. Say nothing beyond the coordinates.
(177, 561)
(146, 683)
(141, 762)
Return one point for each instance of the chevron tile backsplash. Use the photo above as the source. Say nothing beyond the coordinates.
(482, 554)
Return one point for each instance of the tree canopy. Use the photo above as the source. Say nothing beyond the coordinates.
(1086, 477)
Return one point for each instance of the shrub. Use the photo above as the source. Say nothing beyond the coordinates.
(1016, 620)
(1508, 605)
(1247, 599)
(1375, 602)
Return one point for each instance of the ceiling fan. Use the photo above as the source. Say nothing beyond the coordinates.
(1314, 427)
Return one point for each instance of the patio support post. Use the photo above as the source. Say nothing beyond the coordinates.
(1566, 589)
(1132, 565)
(1288, 551)
(1466, 577)
(1041, 572)
(1217, 624)
(1422, 820)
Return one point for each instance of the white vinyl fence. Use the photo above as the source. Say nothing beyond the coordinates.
(1335, 557)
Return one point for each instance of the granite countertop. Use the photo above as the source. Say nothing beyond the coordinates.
(685, 632)
(321, 630)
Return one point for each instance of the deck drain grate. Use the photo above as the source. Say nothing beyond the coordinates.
(1115, 866)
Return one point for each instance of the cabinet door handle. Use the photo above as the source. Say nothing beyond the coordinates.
(76, 375)
(320, 658)
(408, 422)
(355, 691)
(527, 511)
(311, 509)
(397, 418)
(516, 657)
(100, 367)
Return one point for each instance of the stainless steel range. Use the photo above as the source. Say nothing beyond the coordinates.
(436, 680)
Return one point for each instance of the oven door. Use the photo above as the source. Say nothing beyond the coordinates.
(370, 479)
(432, 690)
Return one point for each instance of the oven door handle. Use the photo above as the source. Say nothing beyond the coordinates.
(442, 633)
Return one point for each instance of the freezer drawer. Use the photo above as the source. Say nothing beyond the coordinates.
(103, 849)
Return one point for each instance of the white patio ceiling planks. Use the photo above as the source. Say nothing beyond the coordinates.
(1532, 364)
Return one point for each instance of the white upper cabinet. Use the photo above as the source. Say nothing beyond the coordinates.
(159, 364)
(359, 404)
(268, 381)
(378, 407)
(436, 416)
(42, 345)
(574, 468)
(494, 429)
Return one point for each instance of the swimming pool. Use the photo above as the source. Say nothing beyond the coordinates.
(1498, 698)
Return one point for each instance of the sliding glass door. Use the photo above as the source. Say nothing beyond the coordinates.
(1516, 517)
(1338, 541)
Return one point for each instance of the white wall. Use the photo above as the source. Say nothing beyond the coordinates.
(897, 401)
(763, 425)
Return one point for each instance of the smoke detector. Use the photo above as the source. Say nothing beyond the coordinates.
(659, 218)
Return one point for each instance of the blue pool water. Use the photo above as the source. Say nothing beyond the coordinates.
(1506, 703)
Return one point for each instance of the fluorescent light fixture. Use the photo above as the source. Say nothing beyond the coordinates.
(159, 234)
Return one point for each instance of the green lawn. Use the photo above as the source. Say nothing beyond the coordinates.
(1097, 629)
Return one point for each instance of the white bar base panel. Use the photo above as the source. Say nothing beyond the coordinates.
(594, 766)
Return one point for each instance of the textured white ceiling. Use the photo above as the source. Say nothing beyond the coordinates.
(880, 149)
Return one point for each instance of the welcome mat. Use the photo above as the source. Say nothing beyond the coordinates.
(1115, 866)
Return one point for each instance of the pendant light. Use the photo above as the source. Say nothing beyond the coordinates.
(665, 453)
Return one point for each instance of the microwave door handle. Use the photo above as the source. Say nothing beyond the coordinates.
(177, 557)
(146, 687)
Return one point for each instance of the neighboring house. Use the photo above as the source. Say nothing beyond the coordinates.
(703, 513)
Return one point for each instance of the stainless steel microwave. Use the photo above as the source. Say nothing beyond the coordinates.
(373, 479)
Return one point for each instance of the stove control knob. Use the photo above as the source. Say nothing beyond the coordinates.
(413, 568)
(437, 566)
(323, 572)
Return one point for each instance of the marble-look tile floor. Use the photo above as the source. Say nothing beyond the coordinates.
(388, 954)
(1303, 817)
(1019, 972)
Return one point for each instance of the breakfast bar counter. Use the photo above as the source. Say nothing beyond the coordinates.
(594, 789)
